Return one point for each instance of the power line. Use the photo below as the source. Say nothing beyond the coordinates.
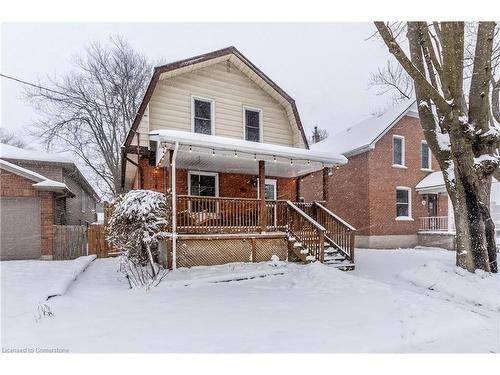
(33, 85)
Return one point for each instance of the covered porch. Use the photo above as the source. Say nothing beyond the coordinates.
(265, 219)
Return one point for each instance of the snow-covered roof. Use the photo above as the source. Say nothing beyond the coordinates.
(243, 146)
(362, 136)
(41, 182)
(432, 183)
(12, 152)
(230, 155)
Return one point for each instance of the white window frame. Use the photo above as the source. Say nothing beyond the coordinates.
(83, 201)
(429, 169)
(212, 112)
(403, 152)
(409, 217)
(203, 173)
(261, 122)
(268, 181)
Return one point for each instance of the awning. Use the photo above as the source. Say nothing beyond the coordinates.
(221, 154)
(431, 184)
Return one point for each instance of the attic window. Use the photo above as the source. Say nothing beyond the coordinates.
(202, 110)
(253, 121)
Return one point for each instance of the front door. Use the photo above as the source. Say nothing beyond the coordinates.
(432, 211)
(270, 193)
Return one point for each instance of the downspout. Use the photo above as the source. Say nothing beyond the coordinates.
(174, 207)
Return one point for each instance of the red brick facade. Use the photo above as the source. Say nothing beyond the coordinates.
(12, 185)
(363, 192)
(230, 184)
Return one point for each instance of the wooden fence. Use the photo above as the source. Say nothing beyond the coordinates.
(70, 242)
(97, 243)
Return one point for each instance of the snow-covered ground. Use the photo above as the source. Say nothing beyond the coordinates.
(386, 305)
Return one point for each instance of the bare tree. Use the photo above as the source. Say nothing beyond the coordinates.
(392, 79)
(457, 123)
(318, 134)
(89, 111)
(11, 138)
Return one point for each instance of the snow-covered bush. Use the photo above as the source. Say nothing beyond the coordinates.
(138, 220)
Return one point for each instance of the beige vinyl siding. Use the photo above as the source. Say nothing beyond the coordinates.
(143, 129)
(231, 90)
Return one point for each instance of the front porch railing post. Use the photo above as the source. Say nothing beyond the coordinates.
(262, 195)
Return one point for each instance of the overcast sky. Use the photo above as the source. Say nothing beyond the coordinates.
(324, 67)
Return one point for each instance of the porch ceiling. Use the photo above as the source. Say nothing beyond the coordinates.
(220, 154)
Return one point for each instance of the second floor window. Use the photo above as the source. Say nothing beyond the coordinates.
(252, 125)
(426, 156)
(398, 151)
(202, 120)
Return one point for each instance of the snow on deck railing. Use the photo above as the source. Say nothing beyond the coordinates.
(434, 224)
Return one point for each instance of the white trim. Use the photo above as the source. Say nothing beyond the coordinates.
(384, 132)
(399, 166)
(216, 174)
(212, 111)
(409, 217)
(261, 122)
(403, 151)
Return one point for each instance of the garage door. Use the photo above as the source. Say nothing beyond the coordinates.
(19, 228)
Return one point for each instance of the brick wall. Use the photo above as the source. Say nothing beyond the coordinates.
(12, 185)
(383, 179)
(363, 192)
(230, 184)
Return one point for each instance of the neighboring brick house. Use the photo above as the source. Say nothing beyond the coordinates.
(383, 190)
(37, 191)
(228, 144)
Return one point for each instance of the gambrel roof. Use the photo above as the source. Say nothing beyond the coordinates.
(234, 56)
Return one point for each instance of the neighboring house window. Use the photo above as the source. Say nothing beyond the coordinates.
(253, 121)
(403, 203)
(398, 151)
(83, 200)
(426, 156)
(204, 184)
(203, 119)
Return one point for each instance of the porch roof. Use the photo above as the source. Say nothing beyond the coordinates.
(432, 183)
(221, 154)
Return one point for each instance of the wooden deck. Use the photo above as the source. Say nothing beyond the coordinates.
(310, 227)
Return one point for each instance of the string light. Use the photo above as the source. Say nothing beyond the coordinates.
(337, 167)
(190, 149)
(254, 157)
(322, 165)
(308, 163)
(213, 152)
(274, 158)
(291, 161)
(235, 154)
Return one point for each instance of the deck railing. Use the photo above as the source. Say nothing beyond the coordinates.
(434, 224)
(339, 233)
(310, 223)
(307, 231)
(197, 214)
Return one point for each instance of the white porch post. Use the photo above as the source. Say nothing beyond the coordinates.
(174, 206)
(451, 216)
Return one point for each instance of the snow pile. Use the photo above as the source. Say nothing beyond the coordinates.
(66, 276)
(480, 288)
(12, 152)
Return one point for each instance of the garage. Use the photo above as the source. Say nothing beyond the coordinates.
(20, 228)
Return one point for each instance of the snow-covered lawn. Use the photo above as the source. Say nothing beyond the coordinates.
(383, 306)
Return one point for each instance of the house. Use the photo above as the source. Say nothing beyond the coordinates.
(392, 189)
(228, 144)
(39, 190)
